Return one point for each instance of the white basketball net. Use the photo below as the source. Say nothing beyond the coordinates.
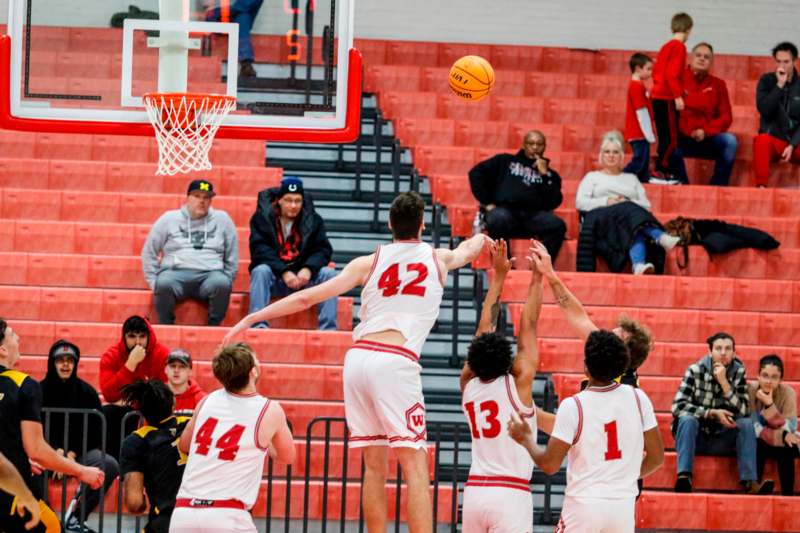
(185, 126)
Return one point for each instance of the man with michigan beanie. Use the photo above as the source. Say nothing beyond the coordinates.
(289, 249)
(199, 256)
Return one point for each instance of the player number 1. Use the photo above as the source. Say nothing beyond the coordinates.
(612, 449)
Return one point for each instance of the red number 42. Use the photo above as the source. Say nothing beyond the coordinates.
(227, 443)
(389, 282)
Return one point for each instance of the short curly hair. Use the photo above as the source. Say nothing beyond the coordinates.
(639, 341)
(605, 355)
(489, 356)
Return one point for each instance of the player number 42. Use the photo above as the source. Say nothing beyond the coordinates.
(389, 282)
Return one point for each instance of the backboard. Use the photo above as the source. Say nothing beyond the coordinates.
(63, 68)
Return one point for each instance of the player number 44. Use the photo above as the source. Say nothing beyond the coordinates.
(227, 443)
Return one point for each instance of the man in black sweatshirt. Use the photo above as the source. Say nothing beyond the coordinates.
(518, 194)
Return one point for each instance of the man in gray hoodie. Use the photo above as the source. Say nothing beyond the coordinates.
(199, 256)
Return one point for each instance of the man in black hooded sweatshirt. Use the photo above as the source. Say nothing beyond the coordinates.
(62, 388)
(518, 193)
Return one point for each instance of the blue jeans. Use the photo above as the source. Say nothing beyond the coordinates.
(690, 440)
(264, 285)
(640, 163)
(638, 251)
(243, 12)
(720, 148)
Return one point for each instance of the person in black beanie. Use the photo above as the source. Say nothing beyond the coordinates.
(62, 388)
(289, 249)
(518, 193)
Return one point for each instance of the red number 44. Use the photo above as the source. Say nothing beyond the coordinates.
(389, 282)
(227, 443)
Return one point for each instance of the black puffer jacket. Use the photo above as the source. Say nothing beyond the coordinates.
(315, 248)
(719, 237)
(779, 108)
(608, 232)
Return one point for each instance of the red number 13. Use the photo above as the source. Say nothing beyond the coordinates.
(612, 448)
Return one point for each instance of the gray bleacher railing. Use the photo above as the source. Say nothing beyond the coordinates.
(448, 440)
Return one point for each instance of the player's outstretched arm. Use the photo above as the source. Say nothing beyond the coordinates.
(527, 360)
(12, 483)
(548, 459)
(654, 452)
(487, 323)
(351, 276)
(465, 253)
(573, 310)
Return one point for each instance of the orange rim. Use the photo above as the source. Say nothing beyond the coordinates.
(192, 97)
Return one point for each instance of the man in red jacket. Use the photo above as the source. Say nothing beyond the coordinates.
(706, 118)
(137, 355)
(187, 392)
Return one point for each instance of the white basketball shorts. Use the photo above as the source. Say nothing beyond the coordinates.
(597, 515)
(383, 400)
(497, 510)
(212, 520)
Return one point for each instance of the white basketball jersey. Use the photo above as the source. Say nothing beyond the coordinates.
(496, 458)
(605, 427)
(403, 292)
(225, 460)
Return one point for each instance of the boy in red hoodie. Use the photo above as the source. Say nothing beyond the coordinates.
(187, 392)
(667, 93)
(639, 117)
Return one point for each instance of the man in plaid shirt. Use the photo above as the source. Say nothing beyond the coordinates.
(710, 413)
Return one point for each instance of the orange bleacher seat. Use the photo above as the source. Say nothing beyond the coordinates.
(741, 201)
(412, 53)
(22, 204)
(419, 131)
(732, 67)
(109, 272)
(13, 268)
(117, 305)
(32, 173)
(704, 293)
(41, 236)
(613, 62)
(393, 78)
(104, 239)
(510, 57)
(397, 104)
(58, 270)
(91, 206)
(568, 60)
(459, 109)
(444, 159)
(517, 108)
(232, 152)
(551, 84)
(450, 189)
(450, 52)
(484, 135)
(781, 329)
(786, 203)
(133, 177)
(21, 144)
(759, 66)
(728, 511)
(63, 146)
(667, 509)
(75, 175)
(66, 304)
(785, 230)
(570, 111)
(602, 86)
(579, 138)
(146, 208)
(611, 114)
(248, 181)
(697, 200)
(372, 50)
(661, 293)
(744, 92)
(745, 118)
(120, 148)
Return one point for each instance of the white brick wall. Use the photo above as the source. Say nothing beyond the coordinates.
(732, 26)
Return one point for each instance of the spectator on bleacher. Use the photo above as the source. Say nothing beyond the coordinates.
(199, 256)
(705, 118)
(621, 224)
(518, 193)
(150, 462)
(710, 415)
(63, 389)
(773, 407)
(639, 117)
(778, 102)
(137, 355)
(667, 95)
(289, 249)
(179, 373)
(242, 12)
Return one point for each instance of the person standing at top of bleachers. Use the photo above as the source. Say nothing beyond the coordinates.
(244, 13)
(199, 256)
(773, 407)
(667, 95)
(639, 117)
(289, 249)
(63, 389)
(518, 193)
(706, 118)
(778, 102)
(710, 415)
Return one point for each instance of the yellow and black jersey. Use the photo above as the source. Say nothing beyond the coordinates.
(153, 451)
(20, 400)
(630, 377)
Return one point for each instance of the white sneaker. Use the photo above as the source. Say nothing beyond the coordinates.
(668, 242)
(658, 181)
(641, 269)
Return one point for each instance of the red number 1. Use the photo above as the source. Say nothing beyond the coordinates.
(612, 448)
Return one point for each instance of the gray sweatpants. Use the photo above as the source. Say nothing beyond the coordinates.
(212, 286)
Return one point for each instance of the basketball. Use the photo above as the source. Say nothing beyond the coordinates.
(471, 78)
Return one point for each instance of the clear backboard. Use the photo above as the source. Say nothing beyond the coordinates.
(82, 67)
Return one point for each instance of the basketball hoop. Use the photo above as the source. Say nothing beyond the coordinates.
(185, 125)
